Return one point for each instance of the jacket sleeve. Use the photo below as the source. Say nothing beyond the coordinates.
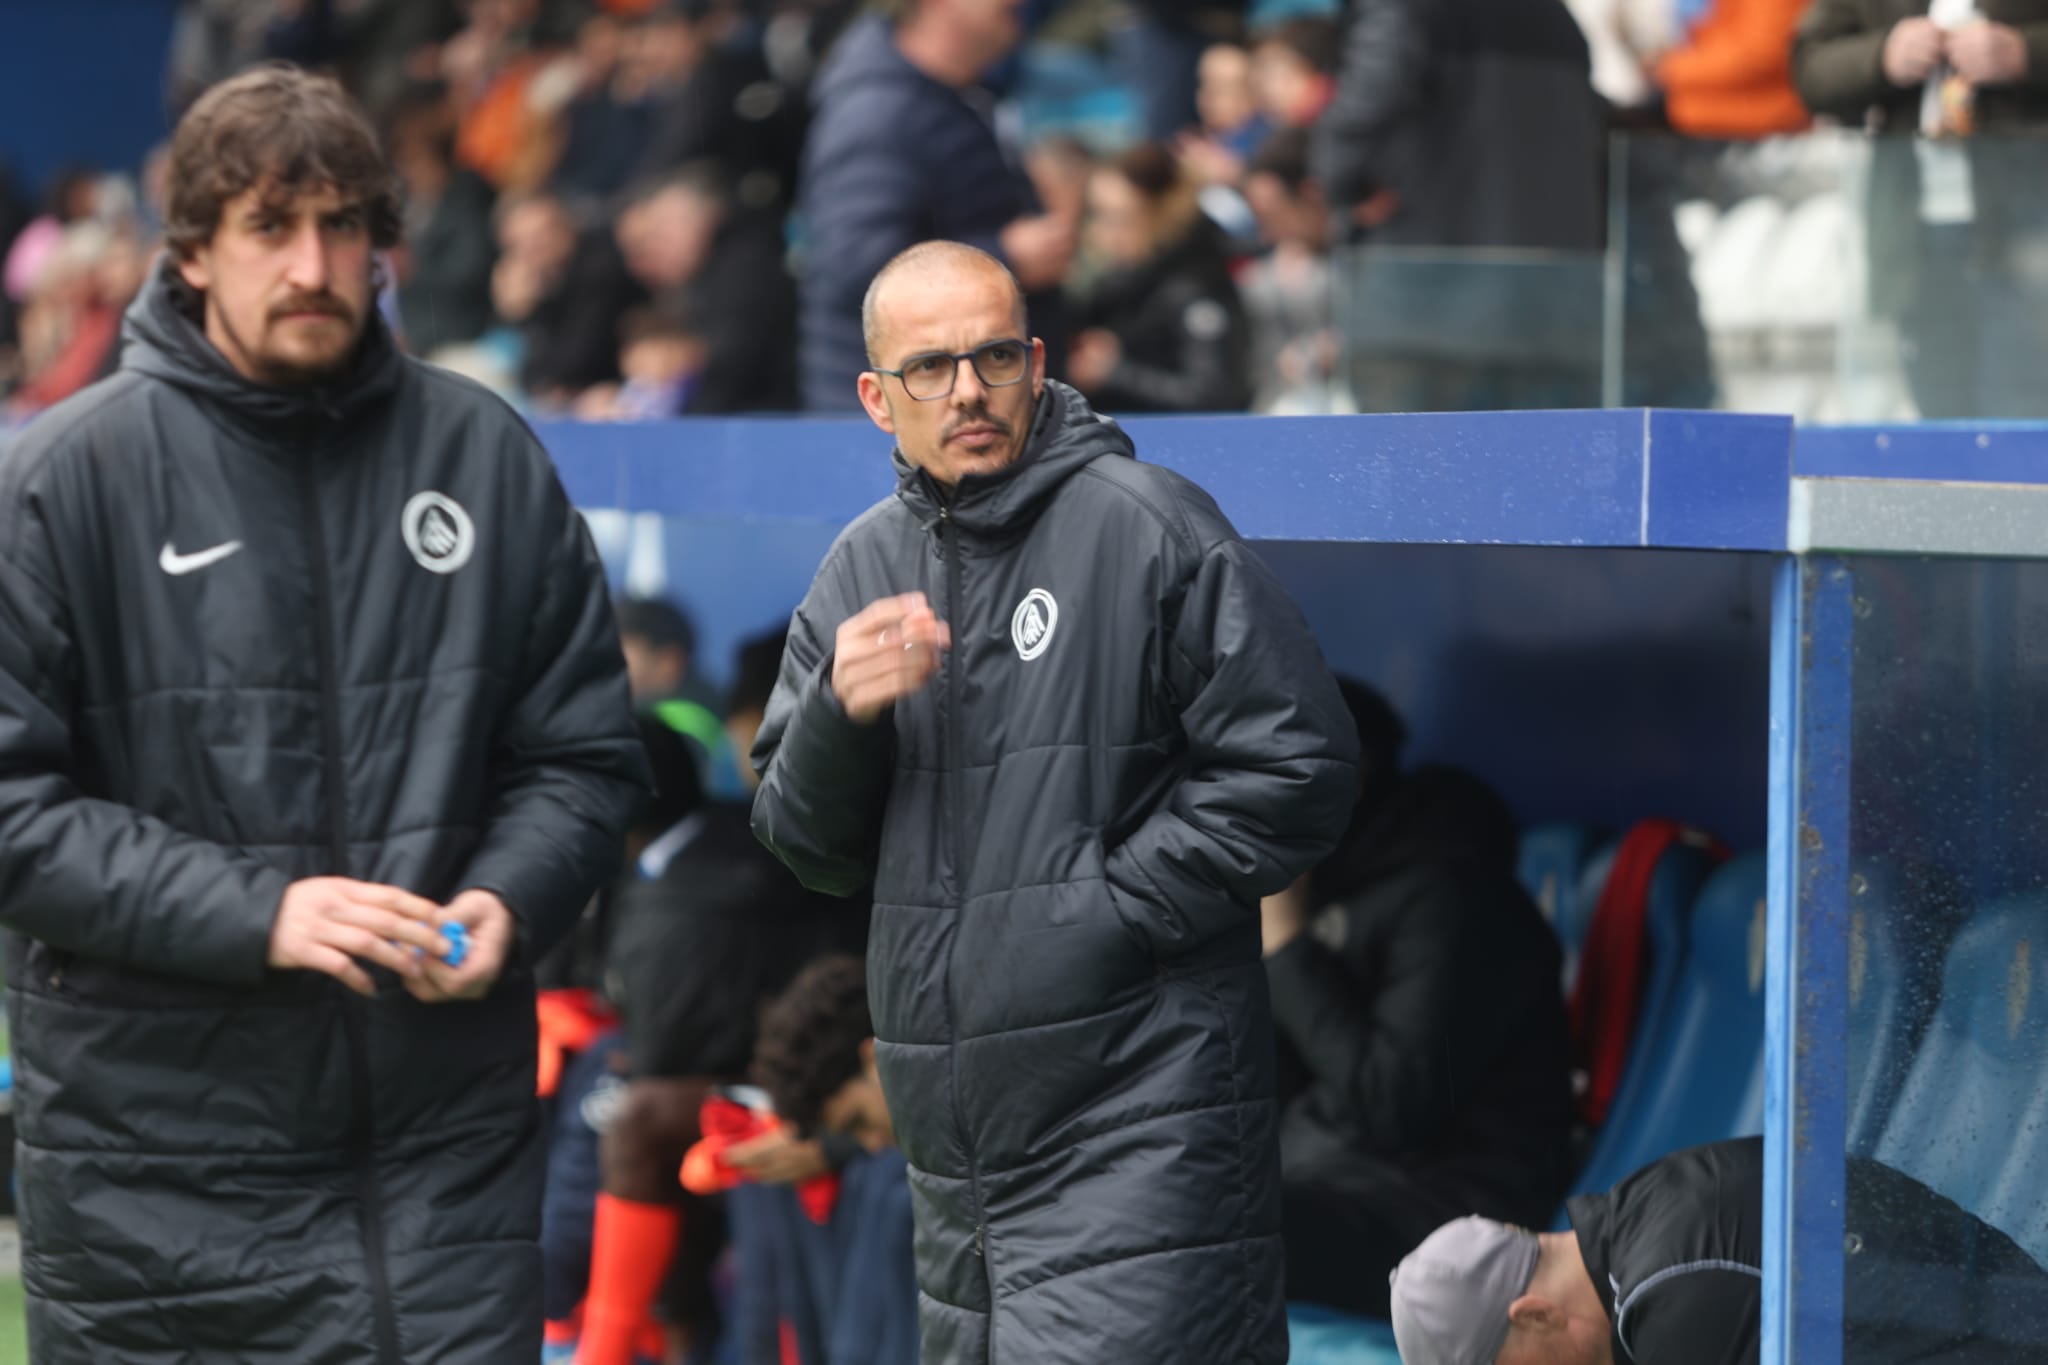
(1386, 59)
(1392, 1058)
(1753, 45)
(566, 765)
(1211, 373)
(1838, 60)
(1271, 766)
(824, 778)
(92, 876)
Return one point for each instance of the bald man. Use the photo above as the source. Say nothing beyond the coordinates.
(1070, 729)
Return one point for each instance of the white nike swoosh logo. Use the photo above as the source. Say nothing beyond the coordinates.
(176, 564)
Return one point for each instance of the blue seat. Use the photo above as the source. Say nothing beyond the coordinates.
(1886, 1013)
(1971, 1118)
(1548, 864)
(1324, 1336)
(1637, 1129)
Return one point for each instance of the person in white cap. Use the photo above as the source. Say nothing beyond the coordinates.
(1666, 1269)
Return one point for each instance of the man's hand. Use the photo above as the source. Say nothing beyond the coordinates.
(1283, 917)
(1984, 53)
(778, 1158)
(335, 925)
(491, 929)
(1041, 249)
(887, 651)
(1092, 358)
(1913, 49)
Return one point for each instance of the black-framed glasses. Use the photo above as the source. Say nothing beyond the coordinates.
(997, 364)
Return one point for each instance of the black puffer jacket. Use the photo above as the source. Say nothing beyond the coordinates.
(1132, 738)
(247, 637)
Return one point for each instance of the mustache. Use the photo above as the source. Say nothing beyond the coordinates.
(312, 303)
(978, 417)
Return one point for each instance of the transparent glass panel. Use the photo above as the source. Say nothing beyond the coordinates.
(1429, 330)
(1833, 276)
(1946, 1219)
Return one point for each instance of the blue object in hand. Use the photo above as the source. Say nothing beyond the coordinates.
(458, 943)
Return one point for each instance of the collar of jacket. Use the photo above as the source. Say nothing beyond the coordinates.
(162, 336)
(1066, 436)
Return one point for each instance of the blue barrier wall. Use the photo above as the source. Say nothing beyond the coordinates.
(1583, 664)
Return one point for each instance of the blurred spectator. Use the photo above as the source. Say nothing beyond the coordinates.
(1294, 70)
(661, 357)
(1959, 217)
(513, 72)
(899, 154)
(721, 267)
(1165, 329)
(444, 265)
(1623, 38)
(1232, 126)
(1425, 1062)
(1466, 123)
(604, 128)
(725, 106)
(1158, 44)
(660, 645)
(562, 287)
(1731, 76)
(71, 323)
(1289, 292)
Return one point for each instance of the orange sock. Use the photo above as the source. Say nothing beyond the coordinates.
(632, 1246)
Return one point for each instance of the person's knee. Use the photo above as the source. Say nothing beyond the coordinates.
(645, 1143)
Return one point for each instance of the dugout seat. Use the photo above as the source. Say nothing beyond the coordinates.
(1888, 1011)
(1552, 865)
(1629, 1137)
(1324, 1336)
(1971, 1117)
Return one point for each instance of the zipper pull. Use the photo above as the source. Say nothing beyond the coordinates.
(980, 1242)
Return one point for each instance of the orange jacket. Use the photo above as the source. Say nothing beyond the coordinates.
(1732, 77)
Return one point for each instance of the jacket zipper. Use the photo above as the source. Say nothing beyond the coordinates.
(355, 1025)
(956, 772)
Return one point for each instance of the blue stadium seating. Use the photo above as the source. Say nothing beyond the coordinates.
(1971, 1118)
(1324, 1336)
(1575, 912)
(1887, 1014)
(1549, 864)
(1637, 1123)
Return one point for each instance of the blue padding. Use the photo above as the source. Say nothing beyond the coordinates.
(1636, 1130)
(1971, 1119)
(1324, 1336)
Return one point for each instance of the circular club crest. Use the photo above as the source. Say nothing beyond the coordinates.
(438, 532)
(1033, 623)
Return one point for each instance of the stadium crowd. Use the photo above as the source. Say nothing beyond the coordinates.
(645, 208)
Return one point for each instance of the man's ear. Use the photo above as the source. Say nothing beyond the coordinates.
(195, 271)
(876, 402)
(1037, 368)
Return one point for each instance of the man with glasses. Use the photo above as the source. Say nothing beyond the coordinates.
(1070, 729)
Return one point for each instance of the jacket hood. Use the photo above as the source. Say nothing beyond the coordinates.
(162, 336)
(1066, 435)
